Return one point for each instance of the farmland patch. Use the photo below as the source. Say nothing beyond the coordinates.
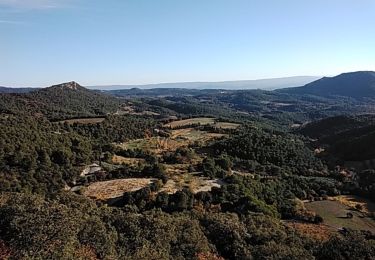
(336, 214)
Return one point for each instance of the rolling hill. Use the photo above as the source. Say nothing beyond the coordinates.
(357, 85)
(67, 100)
(348, 138)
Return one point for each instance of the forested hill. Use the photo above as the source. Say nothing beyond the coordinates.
(359, 84)
(349, 138)
(61, 101)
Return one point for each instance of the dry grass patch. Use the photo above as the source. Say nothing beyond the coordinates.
(180, 180)
(191, 121)
(105, 190)
(179, 138)
(154, 145)
(130, 110)
(201, 121)
(226, 125)
(318, 232)
(352, 201)
(191, 135)
(173, 169)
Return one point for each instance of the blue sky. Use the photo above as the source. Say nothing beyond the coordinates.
(96, 42)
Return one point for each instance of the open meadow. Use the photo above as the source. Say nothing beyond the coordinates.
(339, 215)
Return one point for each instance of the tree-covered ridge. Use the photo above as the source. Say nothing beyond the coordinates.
(276, 148)
(116, 128)
(330, 126)
(36, 156)
(347, 138)
(68, 100)
(282, 108)
(42, 157)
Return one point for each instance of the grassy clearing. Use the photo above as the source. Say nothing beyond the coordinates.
(190, 121)
(154, 145)
(131, 110)
(189, 181)
(190, 135)
(95, 120)
(116, 159)
(334, 214)
(178, 138)
(201, 121)
(226, 125)
(180, 179)
(105, 190)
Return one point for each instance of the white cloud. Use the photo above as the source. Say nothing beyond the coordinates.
(32, 4)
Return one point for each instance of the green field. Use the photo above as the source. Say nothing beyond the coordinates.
(334, 214)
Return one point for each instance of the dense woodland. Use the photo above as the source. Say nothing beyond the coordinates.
(243, 219)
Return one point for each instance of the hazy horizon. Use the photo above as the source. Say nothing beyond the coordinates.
(250, 83)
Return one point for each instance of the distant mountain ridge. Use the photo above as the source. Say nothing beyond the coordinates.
(266, 84)
(16, 90)
(360, 84)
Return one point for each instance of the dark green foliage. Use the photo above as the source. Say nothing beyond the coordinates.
(58, 102)
(279, 149)
(353, 245)
(39, 156)
(36, 156)
(115, 128)
(33, 227)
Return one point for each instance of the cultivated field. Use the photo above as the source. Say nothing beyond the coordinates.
(178, 138)
(226, 125)
(334, 214)
(201, 121)
(95, 120)
(129, 110)
(191, 121)
(105, 190)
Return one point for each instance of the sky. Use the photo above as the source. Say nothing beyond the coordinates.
(107, 42)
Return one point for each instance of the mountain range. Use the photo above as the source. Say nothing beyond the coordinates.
(266, 84)
(357, 85)
(360, 84)
(16, 90)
